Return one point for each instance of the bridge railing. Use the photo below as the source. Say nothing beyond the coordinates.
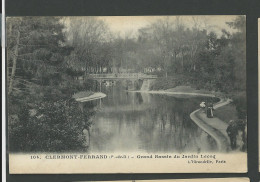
(123, 75)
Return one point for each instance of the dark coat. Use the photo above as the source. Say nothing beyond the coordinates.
(232, 130)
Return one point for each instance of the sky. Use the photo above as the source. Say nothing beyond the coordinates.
(129, 25)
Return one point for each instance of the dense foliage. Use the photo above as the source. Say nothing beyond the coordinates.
(42, 117)
(202, 59)
(167, 47)
(54, 127)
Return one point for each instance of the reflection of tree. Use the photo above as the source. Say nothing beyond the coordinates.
(139, 98)
(164, 125)
(168, 127)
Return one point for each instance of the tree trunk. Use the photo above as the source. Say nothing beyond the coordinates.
(8, 64)
(88, 136)
(14, 63)
(182, 62)
(85, 71)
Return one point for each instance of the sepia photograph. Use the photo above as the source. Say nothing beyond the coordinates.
(124, 90)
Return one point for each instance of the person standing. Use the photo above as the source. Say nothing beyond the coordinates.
(203, 106)
(210, 110)
(232, 132)
(241, 126)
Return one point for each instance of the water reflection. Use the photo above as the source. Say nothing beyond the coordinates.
(139, 122)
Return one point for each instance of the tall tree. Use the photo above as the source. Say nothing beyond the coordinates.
(238, 44)
(35, 51)
(88, 36)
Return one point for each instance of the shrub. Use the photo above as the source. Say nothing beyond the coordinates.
(240, 103)
(164, 83)
(56, 127)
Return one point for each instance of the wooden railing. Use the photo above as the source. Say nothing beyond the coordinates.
(123, 76)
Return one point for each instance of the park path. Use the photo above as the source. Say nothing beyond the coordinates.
(163, 92)
(215, 127)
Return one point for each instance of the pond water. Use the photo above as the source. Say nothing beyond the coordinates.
(141, 122)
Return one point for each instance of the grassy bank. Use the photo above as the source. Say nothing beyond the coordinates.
(226, 113)
(189, 89)
(163, 83)
(236, 110)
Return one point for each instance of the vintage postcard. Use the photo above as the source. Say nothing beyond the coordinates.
(126, 94)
